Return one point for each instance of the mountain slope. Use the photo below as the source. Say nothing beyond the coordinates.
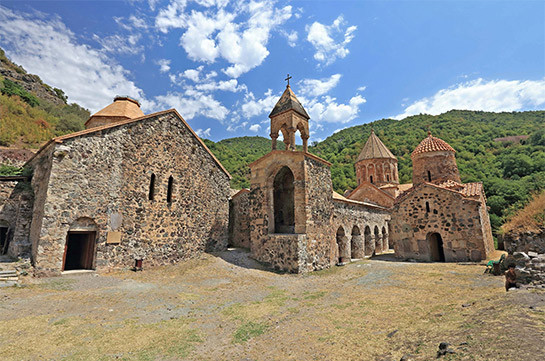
(31, 112)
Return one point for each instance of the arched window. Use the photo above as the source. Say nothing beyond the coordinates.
(429, 176)
(427, 207)
(169, 189)
(284, 201)
(151, 194)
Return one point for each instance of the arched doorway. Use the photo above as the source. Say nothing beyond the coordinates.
(79, 250)
(369, 244)
(437, 254)
(284, 201)
(342, 246)
(357, 249)
(4, 233)
(385, 240)
(378, 241)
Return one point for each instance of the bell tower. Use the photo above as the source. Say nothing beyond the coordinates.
(288, 116)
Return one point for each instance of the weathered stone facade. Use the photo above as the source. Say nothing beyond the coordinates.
(461, 224)
(355, 224)
(16, 200)
(524, 242)
(239, 219)
(104, 177)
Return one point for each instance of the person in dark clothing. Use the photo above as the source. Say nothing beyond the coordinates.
(510, 277)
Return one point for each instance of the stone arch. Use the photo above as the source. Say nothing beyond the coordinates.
(303, 134)
(371, 173)
(369, 244)
(378, 241)
(80, 246)
(342, 245)
(4, 236)
(435, 244)
(385, 239)
(284, 201)
(357, 247)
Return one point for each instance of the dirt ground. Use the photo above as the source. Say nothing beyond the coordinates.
(227, 307)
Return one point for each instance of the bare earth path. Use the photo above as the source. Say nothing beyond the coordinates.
(226, 307)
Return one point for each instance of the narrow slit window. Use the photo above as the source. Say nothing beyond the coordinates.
(429, 176)
(151, 194)
(427, 207)
(169, 190)
(387, 177)
(371, 179)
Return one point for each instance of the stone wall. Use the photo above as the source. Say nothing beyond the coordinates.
(239, 219)
(441, 165)
(524, 242)
(350, 221)
(105, 176)
(320, 240)
(309, 247)
(455, 218)
(16, 201)
(367, 192)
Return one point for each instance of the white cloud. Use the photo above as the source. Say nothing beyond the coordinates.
(193, 74)
(230, 85)
(253, 107)
(218, 33)
(330, 41)
(192, 103)
(362, 88)
(164, 65)
(328, 110)
(317, 87)
(292, 37)
(203, 133)
(255, 128)
(119, 44)
(479, 94)
(48, 48)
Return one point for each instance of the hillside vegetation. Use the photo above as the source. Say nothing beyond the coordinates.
(511, 172)
(31, 112)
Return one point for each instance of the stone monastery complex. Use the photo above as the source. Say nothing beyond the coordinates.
(145, 187)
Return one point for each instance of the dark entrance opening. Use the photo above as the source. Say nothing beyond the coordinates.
(284, 202)
(4, 243)
(437, 254)
(79, 250)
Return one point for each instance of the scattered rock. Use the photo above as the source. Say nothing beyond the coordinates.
(444, 349)
(392, 333)
(406, 358)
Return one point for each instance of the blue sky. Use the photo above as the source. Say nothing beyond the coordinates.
(222, 64)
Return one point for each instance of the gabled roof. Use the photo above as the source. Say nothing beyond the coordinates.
(288, 101)
(129, 121)
(122, 107)
(432, 144)
(468, 190)
(374, 148)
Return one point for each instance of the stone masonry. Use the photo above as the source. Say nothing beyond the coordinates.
(104, 175)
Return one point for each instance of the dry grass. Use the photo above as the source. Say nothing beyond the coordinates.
(528, 219)
(219, 311)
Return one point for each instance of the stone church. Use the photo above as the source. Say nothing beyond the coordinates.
(145, 187)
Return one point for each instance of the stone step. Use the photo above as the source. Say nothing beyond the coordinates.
(8, 273)
(7, 279)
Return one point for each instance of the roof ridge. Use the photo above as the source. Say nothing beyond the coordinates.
(288, 101)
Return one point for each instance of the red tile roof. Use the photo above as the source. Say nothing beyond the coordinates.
(432, 144)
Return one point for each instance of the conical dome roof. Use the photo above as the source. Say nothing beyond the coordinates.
(288, 101)
(432, 144)
(122, 108)
(374, 148)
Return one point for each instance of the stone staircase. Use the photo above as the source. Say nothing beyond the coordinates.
(9, 278)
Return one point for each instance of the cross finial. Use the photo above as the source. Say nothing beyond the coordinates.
(288, 79)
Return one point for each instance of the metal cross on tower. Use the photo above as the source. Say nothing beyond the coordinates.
(288, 79)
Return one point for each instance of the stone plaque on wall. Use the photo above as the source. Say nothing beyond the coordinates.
(113, 238)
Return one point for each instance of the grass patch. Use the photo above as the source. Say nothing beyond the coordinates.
(314, 295)
(249, 330)
(59, 284)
